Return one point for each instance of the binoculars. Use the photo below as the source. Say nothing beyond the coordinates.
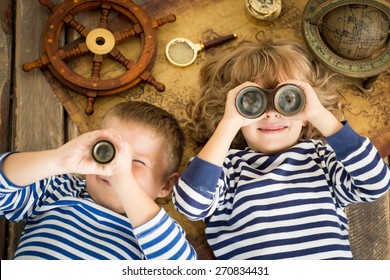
(287, 99)
(103, 151)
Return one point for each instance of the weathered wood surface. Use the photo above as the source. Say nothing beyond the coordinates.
(39, 121)
(5, 94)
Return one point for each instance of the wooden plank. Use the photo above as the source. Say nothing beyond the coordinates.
(38, 115)
(369, 228)
(6, 15)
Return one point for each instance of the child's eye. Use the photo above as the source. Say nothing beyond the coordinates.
(139, 161)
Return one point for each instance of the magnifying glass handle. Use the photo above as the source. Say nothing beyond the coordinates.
(218, 41)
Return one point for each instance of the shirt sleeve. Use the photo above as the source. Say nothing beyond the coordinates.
(199, 189)
(15, 202)
(356, 169)
(18, 203)
(163, 238)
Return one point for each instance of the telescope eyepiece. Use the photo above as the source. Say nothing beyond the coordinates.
(103, 151)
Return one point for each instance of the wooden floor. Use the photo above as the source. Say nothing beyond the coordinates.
(32, 118)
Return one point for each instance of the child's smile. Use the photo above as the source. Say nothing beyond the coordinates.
(272, 128)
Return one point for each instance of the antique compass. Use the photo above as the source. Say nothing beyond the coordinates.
(370, 67)
(117, 22)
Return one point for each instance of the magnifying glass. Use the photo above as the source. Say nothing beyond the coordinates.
(182, 52)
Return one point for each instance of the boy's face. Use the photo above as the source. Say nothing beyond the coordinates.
(273, 133)
(149, 165)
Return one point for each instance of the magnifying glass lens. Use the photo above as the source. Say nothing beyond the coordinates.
(180, 52)
(290, 100)
(251, 102)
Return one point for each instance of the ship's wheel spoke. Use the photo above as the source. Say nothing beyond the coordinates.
(96, 67)
(81, 29)
(63, 53)
(106, 9)
(120, 36)
(48, 4)
(78, 51)
(116, 55)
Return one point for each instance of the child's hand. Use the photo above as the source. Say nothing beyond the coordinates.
(313, 106)
(75, 156)
(122, 165)
(315, 112)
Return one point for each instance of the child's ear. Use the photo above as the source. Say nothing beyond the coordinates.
(168, 186)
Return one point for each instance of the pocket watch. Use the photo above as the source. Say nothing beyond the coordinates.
(264, 9)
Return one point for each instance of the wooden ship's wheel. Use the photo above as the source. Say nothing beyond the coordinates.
(100, 43)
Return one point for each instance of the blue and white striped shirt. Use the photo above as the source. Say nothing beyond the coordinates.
(285, 206)
(63, 222)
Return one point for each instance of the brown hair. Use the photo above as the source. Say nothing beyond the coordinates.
(157, 120)
(268, 62)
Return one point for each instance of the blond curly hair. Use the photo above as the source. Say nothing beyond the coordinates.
(268, 62)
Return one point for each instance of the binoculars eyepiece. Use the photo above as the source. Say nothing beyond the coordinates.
(287, 99)
(103, 151)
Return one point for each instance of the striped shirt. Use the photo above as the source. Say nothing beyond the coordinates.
(284, 206)
(63, 222)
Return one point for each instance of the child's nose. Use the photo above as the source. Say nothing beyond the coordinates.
(272, 113)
